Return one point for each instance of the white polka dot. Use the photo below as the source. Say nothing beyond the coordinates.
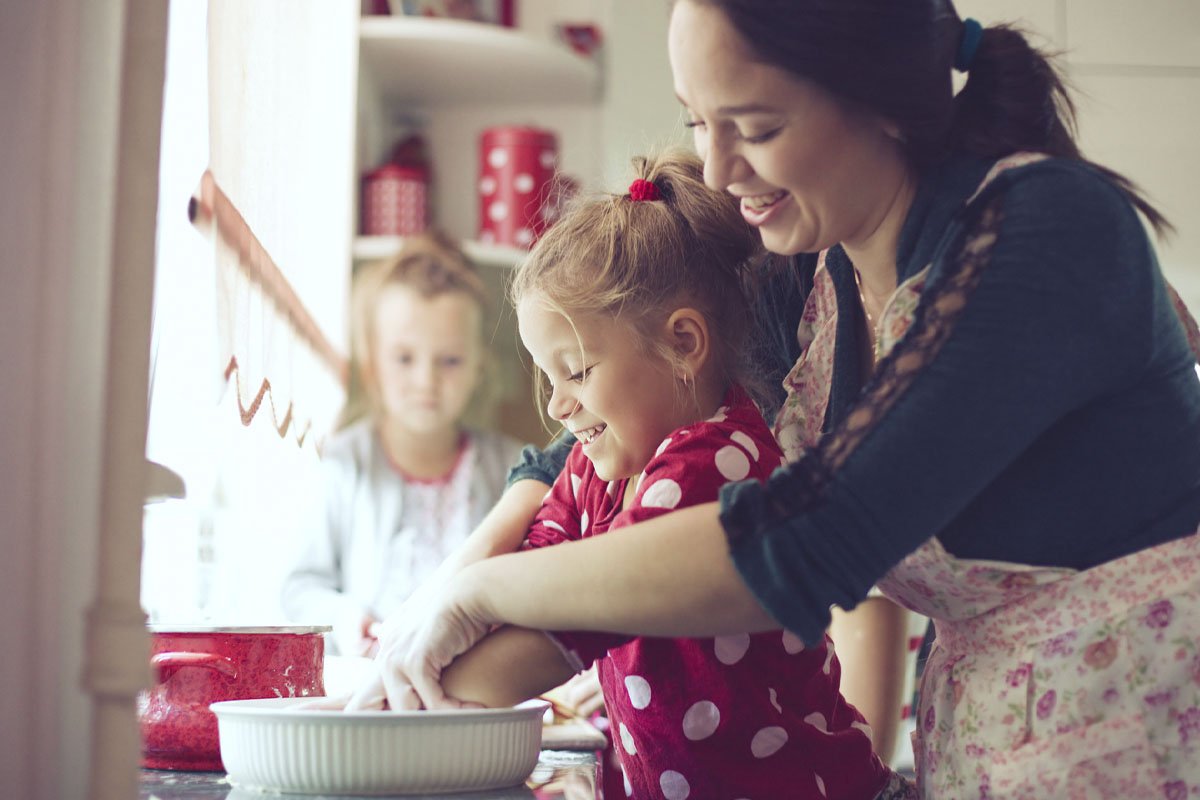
(523, 183)
(575, 482)
(611, 489)
(865, 728)
(768, 741)
(745, 441)
(497, 211)
(720, 415)
(487, 237)
(524, 237)
(637, 486)
(552, 525)
(775, 700)
(548, 159)
(628, 785)
(730, 649)
(583, 523)
(792, 643)
(627, 740)
(663, 493)
(665, 444)
(701, 720)
(497, 158)
(487, 185)
(828, 658)
(546, 496)
(732, 463)
(820, 785)
(639, 691)
(817, 720)
(674, 786)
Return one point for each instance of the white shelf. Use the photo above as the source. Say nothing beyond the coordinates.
(370, 248)
(441, 62)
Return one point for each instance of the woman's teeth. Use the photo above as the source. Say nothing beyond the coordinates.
(588, 435)
(759, 202)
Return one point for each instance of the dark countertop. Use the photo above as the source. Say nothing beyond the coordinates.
(559, 775)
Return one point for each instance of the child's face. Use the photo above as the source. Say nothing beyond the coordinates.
(618, 401)
(428, 357)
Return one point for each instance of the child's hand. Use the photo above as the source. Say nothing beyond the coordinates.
(583, 694)
(416, 646)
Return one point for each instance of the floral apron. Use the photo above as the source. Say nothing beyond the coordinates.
(1052, 683)
(1042, 682)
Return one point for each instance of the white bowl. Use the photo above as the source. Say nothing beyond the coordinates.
(272, 745)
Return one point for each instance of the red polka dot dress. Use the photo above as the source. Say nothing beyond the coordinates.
(757, 716)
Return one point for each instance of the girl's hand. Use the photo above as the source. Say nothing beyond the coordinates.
(417, 644)
(583, 693)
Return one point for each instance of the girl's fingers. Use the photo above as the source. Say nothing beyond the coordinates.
(369, 695)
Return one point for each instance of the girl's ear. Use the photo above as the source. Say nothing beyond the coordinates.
(687, 332)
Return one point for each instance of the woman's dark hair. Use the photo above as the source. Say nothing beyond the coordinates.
(894, 58)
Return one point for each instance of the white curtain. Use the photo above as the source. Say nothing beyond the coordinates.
(281, 118)
(258, 145)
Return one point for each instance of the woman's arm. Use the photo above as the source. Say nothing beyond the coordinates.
(669, 576)
(508, 666)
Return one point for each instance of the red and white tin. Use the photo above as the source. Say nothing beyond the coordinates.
(516, 177)
(395, 201)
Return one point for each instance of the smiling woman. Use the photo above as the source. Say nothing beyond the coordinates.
(945, 454)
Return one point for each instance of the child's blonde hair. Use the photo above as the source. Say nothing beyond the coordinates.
(430, 264)
(642, 259)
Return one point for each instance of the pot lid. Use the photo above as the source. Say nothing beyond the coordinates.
(294, 629)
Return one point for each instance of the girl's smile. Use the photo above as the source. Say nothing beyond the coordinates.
(619, 404)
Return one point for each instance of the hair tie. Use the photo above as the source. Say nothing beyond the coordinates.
(642, 189)
(971, 35)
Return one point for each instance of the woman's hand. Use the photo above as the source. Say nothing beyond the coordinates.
(435, 625)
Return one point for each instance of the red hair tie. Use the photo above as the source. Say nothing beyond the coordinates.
(642, 189)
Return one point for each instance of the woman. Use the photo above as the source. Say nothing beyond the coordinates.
(993, 415)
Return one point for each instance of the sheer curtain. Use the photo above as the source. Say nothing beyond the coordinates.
(251, 294)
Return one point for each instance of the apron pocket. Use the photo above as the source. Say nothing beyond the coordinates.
(1110, 759)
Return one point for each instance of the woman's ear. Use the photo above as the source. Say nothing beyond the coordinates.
(687, 333)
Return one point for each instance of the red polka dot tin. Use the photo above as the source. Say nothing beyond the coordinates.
(517, 166)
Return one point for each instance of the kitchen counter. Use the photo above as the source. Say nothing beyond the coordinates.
(559, 775)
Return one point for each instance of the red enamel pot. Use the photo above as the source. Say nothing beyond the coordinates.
(196, 666)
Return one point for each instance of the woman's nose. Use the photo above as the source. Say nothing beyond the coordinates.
(720, 163)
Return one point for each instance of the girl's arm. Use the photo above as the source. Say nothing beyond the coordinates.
(872, 645)
(508, 666)
(502, 530)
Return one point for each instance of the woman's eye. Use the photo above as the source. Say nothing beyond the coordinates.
(759, 138)
(581, 376)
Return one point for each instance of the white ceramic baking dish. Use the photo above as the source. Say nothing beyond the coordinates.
(271, 745)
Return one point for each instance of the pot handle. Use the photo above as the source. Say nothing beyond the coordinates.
(166, 663)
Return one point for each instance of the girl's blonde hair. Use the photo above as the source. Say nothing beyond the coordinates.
(430, 264)
(639, 260)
